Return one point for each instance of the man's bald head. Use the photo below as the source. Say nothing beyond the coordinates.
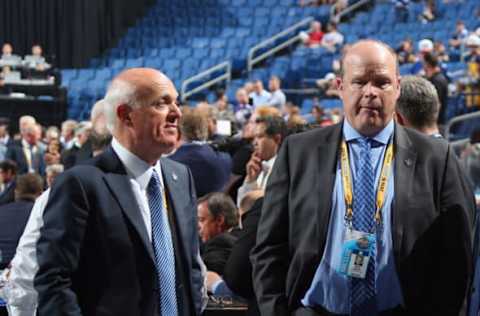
(366, 45)
(142, 112)
(369, 86)
(134, 87)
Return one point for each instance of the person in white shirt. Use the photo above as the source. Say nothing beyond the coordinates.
(332, 40)
(269, 134)
(277, 97)
(259, 95)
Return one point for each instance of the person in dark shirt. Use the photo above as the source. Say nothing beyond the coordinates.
(217, 220)
(434, 74)
(418, 105)
(8, 173)
(14, 216)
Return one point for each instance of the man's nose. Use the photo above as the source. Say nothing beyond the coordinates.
(369, 90)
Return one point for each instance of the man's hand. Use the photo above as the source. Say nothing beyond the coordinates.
(254, 167)
(212, 277)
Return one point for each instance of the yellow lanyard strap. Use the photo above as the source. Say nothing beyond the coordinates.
(347, 182)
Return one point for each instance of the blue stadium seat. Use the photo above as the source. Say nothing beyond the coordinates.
(134, 63)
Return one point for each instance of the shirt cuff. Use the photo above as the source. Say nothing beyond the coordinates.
(215, 286)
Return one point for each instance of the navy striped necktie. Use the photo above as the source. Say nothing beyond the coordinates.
(163, 248)
(362, 294)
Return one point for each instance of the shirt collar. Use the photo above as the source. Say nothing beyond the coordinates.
(382, 137)
(137, 168)
(26, 144)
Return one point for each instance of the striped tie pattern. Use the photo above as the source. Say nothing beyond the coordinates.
(362, 294)
(162, 247)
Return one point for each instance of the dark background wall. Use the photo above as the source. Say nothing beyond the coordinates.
(70, 30)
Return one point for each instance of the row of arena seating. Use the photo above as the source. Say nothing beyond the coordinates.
(379, 23)
(183, 38)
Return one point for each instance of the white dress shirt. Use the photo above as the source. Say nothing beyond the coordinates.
(19, 292)
(260, 99)
(260, 183)
(277, 99)
(139, 173)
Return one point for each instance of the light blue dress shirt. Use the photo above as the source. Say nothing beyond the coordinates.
(330, 289)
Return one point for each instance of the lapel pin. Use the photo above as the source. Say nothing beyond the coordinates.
(408, 162)
(174, 176)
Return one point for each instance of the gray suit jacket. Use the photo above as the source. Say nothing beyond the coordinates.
(432, 220)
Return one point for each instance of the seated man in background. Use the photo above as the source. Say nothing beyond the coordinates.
(217, 220)
(269, 134)
(14, 216)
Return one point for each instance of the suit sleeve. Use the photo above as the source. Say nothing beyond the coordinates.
(270, 256)
(457, 206)
(58, 248)
(238, 265)
(200, 297)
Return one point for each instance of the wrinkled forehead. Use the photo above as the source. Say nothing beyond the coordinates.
(370, 62)
(150, 85)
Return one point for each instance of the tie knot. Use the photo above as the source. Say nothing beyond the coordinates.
(365, 143)
(154, 183)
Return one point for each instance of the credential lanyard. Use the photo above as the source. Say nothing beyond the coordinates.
(347, 182)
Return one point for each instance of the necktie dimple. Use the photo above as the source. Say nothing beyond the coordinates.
(362, 294)
(163, 248)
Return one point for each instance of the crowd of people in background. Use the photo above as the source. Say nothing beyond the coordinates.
(230, 146)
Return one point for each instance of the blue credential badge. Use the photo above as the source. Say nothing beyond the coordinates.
(356, 250)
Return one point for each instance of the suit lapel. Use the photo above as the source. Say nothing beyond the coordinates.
(327, 157)
(405, 161)
(118, 182)
(175, 195)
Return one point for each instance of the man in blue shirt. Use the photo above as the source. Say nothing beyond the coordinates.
(364, 217)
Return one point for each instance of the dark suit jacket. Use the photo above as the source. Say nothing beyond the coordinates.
(13, 218)
(94, 254)
(75, 155)
(217, 250)
(15, 153)
(238, 270)
(432, 218)
(8, 195)
(210, 168)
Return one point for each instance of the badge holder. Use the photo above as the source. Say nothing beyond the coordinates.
(357, 249)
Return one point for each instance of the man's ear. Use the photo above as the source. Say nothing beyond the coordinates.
(220, 220)
(277, 138)
(399, 118)
(123, 114)
(339, 83)
(399, 90)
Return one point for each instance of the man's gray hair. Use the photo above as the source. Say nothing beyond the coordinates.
(97, 109)
(55, 168)
(119, 92)
(418, 102)
(83, 127)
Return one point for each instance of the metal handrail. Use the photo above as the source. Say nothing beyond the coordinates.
(336, 18)
(457, 119)
(251, 61)
(227, 76)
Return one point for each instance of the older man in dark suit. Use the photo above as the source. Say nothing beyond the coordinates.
(365, 217)
(119, 235)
